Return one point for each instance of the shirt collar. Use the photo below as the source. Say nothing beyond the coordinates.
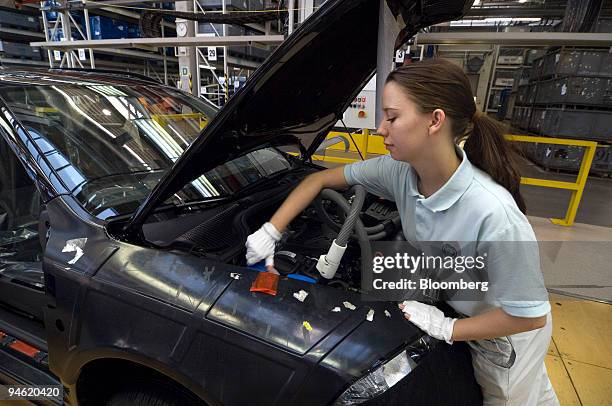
(452, 190)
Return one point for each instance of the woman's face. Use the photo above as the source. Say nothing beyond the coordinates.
(404, 128)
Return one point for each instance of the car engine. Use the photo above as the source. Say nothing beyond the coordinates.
(220, 232)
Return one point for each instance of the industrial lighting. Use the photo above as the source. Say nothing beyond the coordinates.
(493, 21)
(522, 1)
(106, 112)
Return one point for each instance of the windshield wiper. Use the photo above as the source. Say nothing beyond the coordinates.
(110, 175)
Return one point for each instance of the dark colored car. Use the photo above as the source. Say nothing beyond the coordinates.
(124, 208)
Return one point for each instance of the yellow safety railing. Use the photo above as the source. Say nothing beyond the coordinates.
(374, 145)
(576, 187)
(161, 119)
(368, 143)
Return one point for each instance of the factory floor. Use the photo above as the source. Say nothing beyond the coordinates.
(579, 359)
(576, 265)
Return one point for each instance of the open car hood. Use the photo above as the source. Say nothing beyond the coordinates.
(302, 89)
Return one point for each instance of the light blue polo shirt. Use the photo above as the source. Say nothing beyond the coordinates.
(471, 210)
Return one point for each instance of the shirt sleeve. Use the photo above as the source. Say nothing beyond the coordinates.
(375, 175)
(514, 272)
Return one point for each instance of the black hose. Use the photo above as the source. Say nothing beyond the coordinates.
(318, 204)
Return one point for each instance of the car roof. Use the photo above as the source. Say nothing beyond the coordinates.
(10, 76)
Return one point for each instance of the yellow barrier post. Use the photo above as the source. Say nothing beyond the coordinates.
(364, 142)
(577, 187)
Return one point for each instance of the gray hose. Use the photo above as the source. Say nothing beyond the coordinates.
(352, 215)
(362, 236)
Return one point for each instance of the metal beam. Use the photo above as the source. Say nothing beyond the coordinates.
(162, 42)
(536, 39)
(23, 33)
(134, 54)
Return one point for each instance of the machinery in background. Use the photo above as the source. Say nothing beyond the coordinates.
(361, 112)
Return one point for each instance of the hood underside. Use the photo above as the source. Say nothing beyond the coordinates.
(302, 89)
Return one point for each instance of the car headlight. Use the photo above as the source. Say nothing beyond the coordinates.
(378, 381)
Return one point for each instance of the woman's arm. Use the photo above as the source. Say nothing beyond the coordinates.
(261, 244)
(494, 323)
(305, 193)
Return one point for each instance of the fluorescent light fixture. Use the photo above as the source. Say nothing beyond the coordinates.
(522, 1)
(493, 21)
(476, 3)
(106, 112)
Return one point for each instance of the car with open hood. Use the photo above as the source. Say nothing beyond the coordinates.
(124, 208)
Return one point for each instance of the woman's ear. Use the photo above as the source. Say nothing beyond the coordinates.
(438, 117)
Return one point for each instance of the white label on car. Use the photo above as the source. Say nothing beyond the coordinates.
(75, 245)
(301, 295)
(287, 253)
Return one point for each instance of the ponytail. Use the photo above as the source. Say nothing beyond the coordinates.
(488, 149)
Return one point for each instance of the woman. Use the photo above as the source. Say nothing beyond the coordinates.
(442, 195)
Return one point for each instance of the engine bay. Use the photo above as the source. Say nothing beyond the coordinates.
(220, 232)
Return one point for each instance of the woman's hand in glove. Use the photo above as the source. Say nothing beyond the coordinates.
(260, 245)
(430, 319)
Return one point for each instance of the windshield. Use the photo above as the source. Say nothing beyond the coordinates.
(111, 144)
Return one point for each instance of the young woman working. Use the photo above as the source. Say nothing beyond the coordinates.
(444, 193)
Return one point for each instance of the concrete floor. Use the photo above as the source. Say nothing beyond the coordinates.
(576, 260)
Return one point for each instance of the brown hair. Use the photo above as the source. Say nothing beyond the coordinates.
(439, 84)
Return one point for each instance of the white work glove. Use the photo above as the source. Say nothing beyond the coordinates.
(260, 245)
(430, 319)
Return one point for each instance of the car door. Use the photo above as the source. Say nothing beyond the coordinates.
(21, 275)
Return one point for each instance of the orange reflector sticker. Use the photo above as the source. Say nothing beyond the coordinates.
(266, 282)
(24, 348)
